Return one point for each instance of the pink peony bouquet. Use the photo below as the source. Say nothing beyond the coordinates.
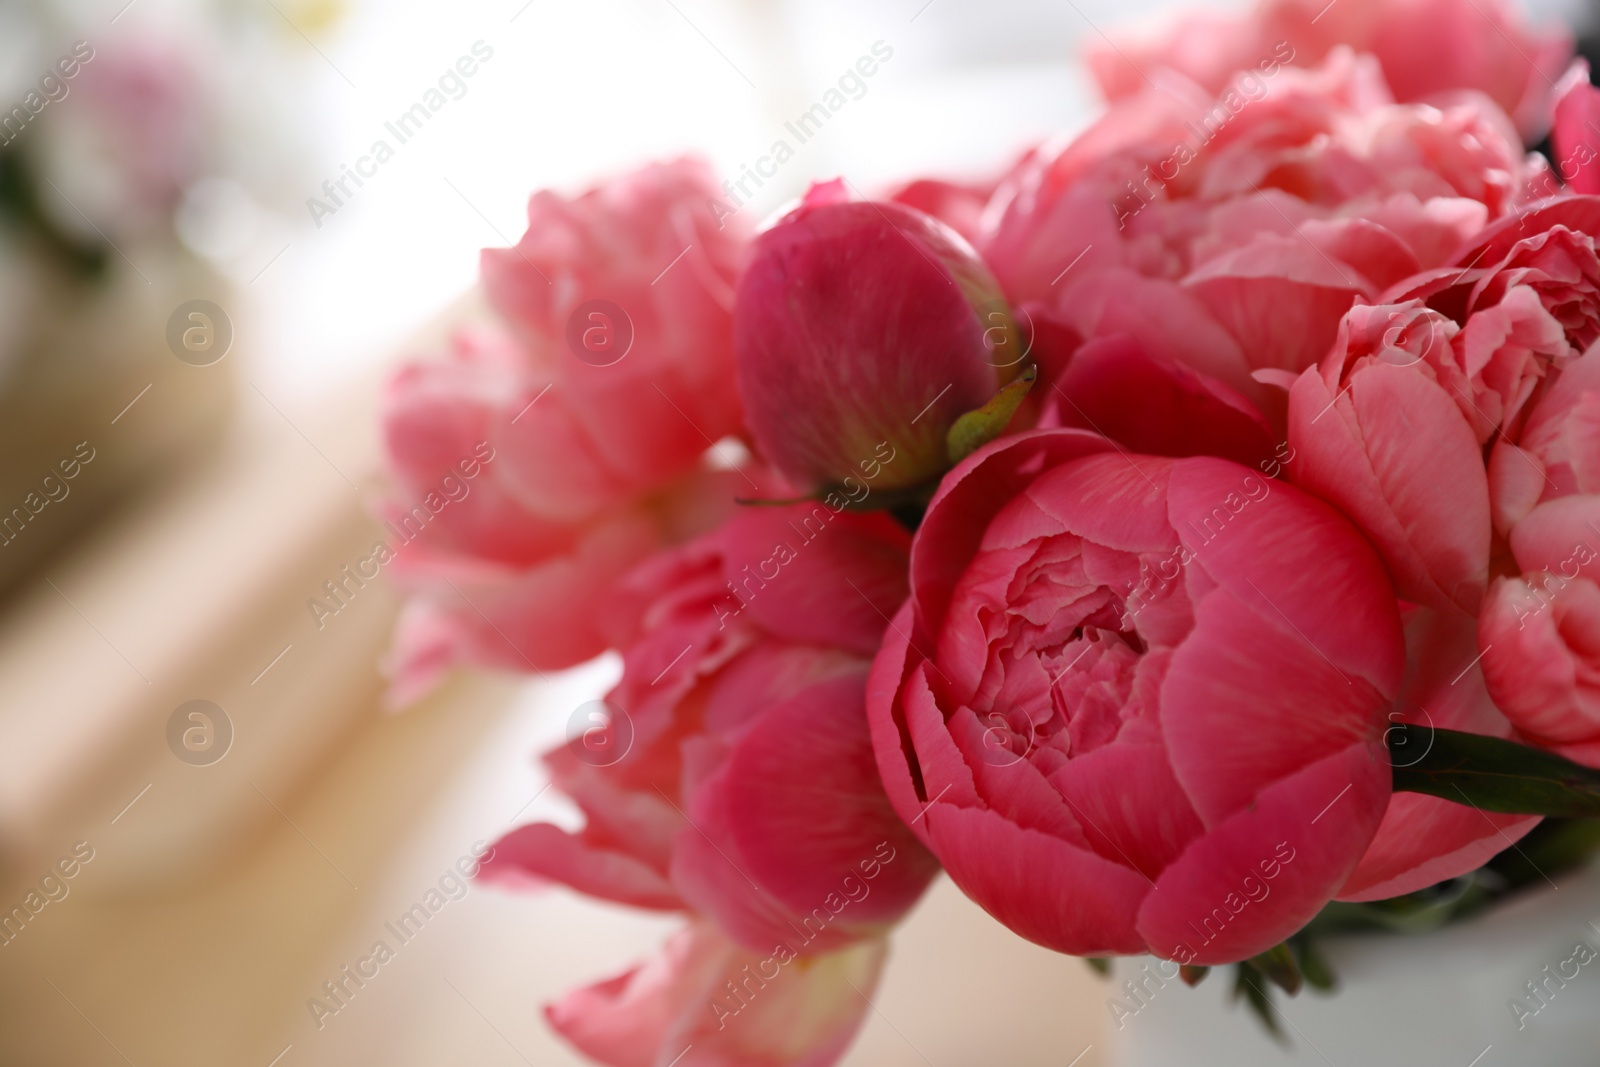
(1189, 540)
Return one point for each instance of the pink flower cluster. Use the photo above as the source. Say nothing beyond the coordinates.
(1082, 533)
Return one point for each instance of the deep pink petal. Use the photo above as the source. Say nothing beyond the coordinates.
(1050, 892)
(1424, 840)
(797, 809)
(810, 574)
(1267, 870)
(1179, 411)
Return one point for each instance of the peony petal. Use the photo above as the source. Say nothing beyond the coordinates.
(1280, 297)
(1575, 143)
(1426, 510)
(544, 852)
(675, 1010)
(1248, 702)
(967, 499)
(1179, 411)
(813, 575)
(1323, 585)
(1052, 893)
(1267, 870)
(797, 810)
(1425, 840)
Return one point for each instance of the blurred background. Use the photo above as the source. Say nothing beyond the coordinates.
(203, 276)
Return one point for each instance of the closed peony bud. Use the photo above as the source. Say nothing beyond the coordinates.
(863, 331)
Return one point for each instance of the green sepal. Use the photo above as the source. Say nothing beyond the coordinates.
(1259, 1001)
(1313, 966)
(1278, 964)
(977, 428)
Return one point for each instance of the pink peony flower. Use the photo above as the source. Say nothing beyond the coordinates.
(1377, 431)
(860, 323)
(707, 1002)
(589, 404)
(1540, 627)
(1136, 704)
(1527, 295)
(1231, 234)
(623, 301)
(1459, 373)
(1428, 49)
(737, 780)
(142, 125)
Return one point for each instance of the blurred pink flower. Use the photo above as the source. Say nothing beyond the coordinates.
(1575, 137)
(622, 299)
(597, 392)
(1428, 49)
(705, 1001)
(1135, 704)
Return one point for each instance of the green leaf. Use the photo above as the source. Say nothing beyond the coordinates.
(1099, 965)
(977, 428)
(1490, 774)
(1260, 1003)
(1278, 964)
(1318, 974)
(1193, 975)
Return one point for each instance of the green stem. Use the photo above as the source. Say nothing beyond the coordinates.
(1490, 773)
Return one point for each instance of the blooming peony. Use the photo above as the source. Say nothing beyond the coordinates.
(1136, 704)
(589, 399)
(1230, 235)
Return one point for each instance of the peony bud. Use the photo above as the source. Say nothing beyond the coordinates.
(863, 331)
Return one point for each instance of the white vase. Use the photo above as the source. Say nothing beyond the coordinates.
(1444, 998)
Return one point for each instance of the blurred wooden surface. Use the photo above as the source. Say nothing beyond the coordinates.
(217, 969)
